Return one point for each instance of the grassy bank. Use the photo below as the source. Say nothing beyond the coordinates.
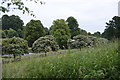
(100, 62)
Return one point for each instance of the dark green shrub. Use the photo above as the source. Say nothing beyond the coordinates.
(45, 44)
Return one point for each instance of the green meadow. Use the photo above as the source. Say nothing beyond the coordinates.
(98, 62)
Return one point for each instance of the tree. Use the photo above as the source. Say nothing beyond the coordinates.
(73, 25)
(47, 32)
(15, 46)
(45, 44)
(2, 34)
(83, 32)
(33, 30)
(13, 22)
(80, 41)
(20, 33)
(5, 22)
(10, 33)
(109, 33)
(61, 32)
(89, 33)
(8, 5)
(97, 34)
(112, 29)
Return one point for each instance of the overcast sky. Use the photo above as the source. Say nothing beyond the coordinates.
(90, 14)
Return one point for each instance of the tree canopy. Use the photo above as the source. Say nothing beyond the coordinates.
(33, 30)
(14, 46)
(112, 29)
(45, 44)
(61, 32)
(97, 34)
(73, 25)
(12, 21)
(10, 33)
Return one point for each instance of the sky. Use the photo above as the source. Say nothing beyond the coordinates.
(90, 14)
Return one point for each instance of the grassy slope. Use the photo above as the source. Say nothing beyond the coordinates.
(100, 62)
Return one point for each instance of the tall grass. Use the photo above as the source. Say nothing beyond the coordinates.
(100, 62)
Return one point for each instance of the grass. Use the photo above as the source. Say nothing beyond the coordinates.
(99, 62)
(10, 58)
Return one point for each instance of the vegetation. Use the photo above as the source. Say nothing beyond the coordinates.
(61, 32)
(98, 62)
(85, 55)
(73, 26)
(8, 5)
(83, 32)
(9, 33)
(15, 46)
(12, 21)
(112, 29)
(33, 30)
(81, 41)
(97, 34)
(47, 31)
(12, 26)
(45, 44)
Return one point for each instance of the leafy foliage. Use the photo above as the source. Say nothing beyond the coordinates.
(2, 34)
(83, 32)
(12, 21)
(47, 31)
(73, 25)
(80, 41)
(10, 33)
(8, 5)
(97, 34)
(45, 44)
(112, 29)
(33, 30)
(61, 32)
(14, 46)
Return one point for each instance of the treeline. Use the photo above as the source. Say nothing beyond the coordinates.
(56, 37)
(14, 26)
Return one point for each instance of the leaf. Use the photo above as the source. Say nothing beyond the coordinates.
(23, 11)
(27, 9)
(8, 4)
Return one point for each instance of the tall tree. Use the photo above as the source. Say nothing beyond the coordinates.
(61, 32)
(33, 30)
(73, 25)
(112, 29)
(12, 21)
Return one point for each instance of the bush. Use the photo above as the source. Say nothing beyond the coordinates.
(85, 41)
(14, 46)
(78, 41)
(45, 44)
